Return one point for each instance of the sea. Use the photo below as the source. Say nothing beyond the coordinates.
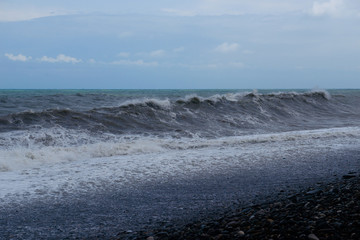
(137, 136)
(89, 163)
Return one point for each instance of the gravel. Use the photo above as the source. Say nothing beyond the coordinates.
(324, 211)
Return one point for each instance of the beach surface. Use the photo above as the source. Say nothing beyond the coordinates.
(107, 209)
(323, 211)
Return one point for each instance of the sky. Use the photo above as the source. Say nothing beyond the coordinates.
(189, 44)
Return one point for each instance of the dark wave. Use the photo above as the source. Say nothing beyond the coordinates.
(226, 114)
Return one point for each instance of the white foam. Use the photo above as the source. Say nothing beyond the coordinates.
(231, 97)
(326, 94)
(235, 97)
(163, 103)
(23, 157)
(31, 154)
(161, 160)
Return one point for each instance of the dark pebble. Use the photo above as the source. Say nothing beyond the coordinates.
(329, 211)
(348, 176)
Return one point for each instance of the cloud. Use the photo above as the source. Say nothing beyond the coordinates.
(18, 14)
(125, 34)
(218, 65)
(178, 12)
(179, 49)
(152, 54)
(18, 57)
(227, 47)
(336, 8)
(237, 7)
(237, 65)
(332, 7)
(210, 65)
(60, 58)
(135, 63)
(225, 65)
(124, 54)
(157, 53)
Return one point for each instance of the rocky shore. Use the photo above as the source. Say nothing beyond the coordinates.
(324, 211)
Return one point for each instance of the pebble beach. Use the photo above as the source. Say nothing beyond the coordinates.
(323, 211)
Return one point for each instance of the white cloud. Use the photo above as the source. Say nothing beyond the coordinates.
(157, 53)
(332, 7)
(237, 65)
(124, 54)
(336, 8)
(91, 60)
(18, 57)
(227, 47)
(179, 49)
(60, 58)
(153, 54)
(135, 63)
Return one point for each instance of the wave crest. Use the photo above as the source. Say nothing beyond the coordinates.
(215, 115)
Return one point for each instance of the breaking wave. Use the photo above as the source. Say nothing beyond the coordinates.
(216, 115)
(84, 126)
(31, 149)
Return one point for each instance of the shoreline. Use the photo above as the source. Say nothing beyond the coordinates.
(323, 211)
(108, 209)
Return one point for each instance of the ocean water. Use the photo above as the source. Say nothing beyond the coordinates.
(54, 142)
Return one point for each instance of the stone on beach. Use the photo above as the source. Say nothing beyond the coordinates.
(329, 211)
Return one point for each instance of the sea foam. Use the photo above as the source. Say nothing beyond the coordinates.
(33, 152)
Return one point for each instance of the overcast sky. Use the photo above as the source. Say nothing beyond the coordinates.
(180, 44)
